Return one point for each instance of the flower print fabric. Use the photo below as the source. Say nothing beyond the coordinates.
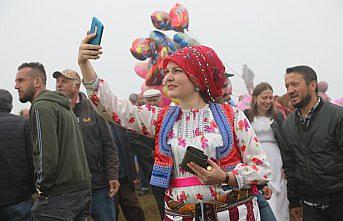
(192, 128)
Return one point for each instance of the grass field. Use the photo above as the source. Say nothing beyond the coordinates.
(149, 206)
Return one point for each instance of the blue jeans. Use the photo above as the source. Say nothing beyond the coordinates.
(102, 206)
(265, 210)
(17, 212)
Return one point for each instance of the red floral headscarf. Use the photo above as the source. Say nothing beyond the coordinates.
(203, 67)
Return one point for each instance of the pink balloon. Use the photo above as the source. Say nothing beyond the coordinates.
(141, 69)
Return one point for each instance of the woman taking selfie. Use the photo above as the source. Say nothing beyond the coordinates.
(221, 190)
(267, 124)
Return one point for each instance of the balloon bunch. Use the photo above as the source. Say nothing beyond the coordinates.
(158, 45)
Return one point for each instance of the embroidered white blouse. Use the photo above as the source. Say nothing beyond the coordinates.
(194, 127)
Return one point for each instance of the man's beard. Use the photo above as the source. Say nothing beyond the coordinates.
(28, 95)
(305, 101)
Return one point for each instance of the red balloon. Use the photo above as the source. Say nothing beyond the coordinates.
(155, 72)
(179, 18)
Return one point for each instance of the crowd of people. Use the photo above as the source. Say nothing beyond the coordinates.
(72, 156)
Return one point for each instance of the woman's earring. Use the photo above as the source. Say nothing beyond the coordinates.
(197, 89)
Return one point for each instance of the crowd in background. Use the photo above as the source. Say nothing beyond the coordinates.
(74, 156)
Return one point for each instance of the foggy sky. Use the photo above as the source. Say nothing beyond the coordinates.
(268, 35)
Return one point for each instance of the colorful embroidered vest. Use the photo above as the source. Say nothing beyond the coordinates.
(227, 156)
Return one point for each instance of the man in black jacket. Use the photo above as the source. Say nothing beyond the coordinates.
(100, 150)
(62, 177)
(16, 169)
(313, 150)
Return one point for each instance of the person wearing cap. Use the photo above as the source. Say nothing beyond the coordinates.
(62, 177)
(152, 97)
(100, 149)
(224, 189)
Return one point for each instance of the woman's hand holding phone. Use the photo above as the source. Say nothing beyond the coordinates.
(86, 52)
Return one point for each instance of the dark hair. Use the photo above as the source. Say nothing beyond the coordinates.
(306, 72)
(37, 70)
(258, 89)
(5, 101)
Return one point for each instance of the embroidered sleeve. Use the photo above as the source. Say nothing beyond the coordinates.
(140, 119)
(255, 168)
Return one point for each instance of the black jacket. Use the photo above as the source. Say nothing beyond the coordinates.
(102, 156)
(143, 147)
(126, 156)
(16, 169)
(313, 155)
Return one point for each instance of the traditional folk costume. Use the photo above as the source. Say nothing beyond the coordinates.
(220, 130)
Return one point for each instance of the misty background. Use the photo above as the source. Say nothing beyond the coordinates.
(268, 35)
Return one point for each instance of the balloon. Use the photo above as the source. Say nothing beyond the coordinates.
(155, 72)
(184, 40)
(143, 48)
(161, 40)
(164, 52)
(141, 69)
(179, 18)
(161, 20)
